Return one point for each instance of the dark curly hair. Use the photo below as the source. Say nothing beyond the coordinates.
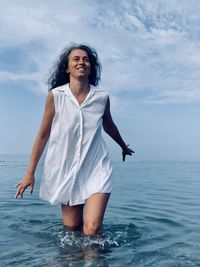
(59, 75)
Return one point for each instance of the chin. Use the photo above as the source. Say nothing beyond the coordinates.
(83, 76)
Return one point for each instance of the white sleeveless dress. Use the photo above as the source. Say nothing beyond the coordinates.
(77, 163)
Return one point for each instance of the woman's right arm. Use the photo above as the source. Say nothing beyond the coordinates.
(38, 147)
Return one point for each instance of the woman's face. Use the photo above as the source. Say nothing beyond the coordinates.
(78, 64)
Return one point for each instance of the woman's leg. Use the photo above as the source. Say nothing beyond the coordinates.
(94, 212)
(72, 216)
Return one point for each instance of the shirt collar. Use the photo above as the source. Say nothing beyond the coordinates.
(69, 94)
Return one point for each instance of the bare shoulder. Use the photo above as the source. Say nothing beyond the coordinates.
(49, 106)
(50, 96)
(50, 99)
(48, 115)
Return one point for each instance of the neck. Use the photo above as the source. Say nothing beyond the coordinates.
(78, 87)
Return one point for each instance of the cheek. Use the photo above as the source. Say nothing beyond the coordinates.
(70, 67)
(89, 68)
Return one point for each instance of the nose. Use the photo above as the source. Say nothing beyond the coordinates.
(81, 61)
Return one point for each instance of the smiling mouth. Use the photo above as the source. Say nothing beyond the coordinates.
(82, 68)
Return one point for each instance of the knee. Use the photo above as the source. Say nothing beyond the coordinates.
(91, 228)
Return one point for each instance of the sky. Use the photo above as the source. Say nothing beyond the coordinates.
(150, 53)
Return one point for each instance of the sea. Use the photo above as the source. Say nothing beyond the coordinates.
(152, 219)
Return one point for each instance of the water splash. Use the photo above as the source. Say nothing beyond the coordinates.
(112, 236)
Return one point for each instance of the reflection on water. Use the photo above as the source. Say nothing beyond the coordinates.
(84, 257)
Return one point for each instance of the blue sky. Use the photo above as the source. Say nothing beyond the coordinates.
(150, 52)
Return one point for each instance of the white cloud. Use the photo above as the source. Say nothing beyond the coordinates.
(174, 97)
(31, 80)
(150, 46)
(9, 76)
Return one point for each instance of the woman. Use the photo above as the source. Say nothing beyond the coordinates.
(77, 169)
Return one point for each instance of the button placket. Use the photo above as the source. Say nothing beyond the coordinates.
(78, 146)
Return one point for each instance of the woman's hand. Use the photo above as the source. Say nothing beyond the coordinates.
(28, 180)
(127, 151)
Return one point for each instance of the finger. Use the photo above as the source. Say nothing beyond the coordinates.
(17, 184)
(31, 189)
(22, 191)
(18, 193)
(130, 152)
(124, 156)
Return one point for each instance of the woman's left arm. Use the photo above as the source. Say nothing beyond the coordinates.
(111, 129)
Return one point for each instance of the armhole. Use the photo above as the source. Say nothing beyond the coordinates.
(106, 101)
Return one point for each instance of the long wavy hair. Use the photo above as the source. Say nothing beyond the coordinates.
(59, 75)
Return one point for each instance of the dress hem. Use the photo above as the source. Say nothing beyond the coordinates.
(53, 203)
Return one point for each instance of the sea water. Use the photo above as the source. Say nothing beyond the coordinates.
(152, 219)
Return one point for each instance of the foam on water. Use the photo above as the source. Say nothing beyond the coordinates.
(112, 236)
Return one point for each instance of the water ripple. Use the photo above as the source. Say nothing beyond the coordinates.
(113, 236)
(152, 219)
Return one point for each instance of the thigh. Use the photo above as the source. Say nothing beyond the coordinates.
(95, 208)
(72, 216)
